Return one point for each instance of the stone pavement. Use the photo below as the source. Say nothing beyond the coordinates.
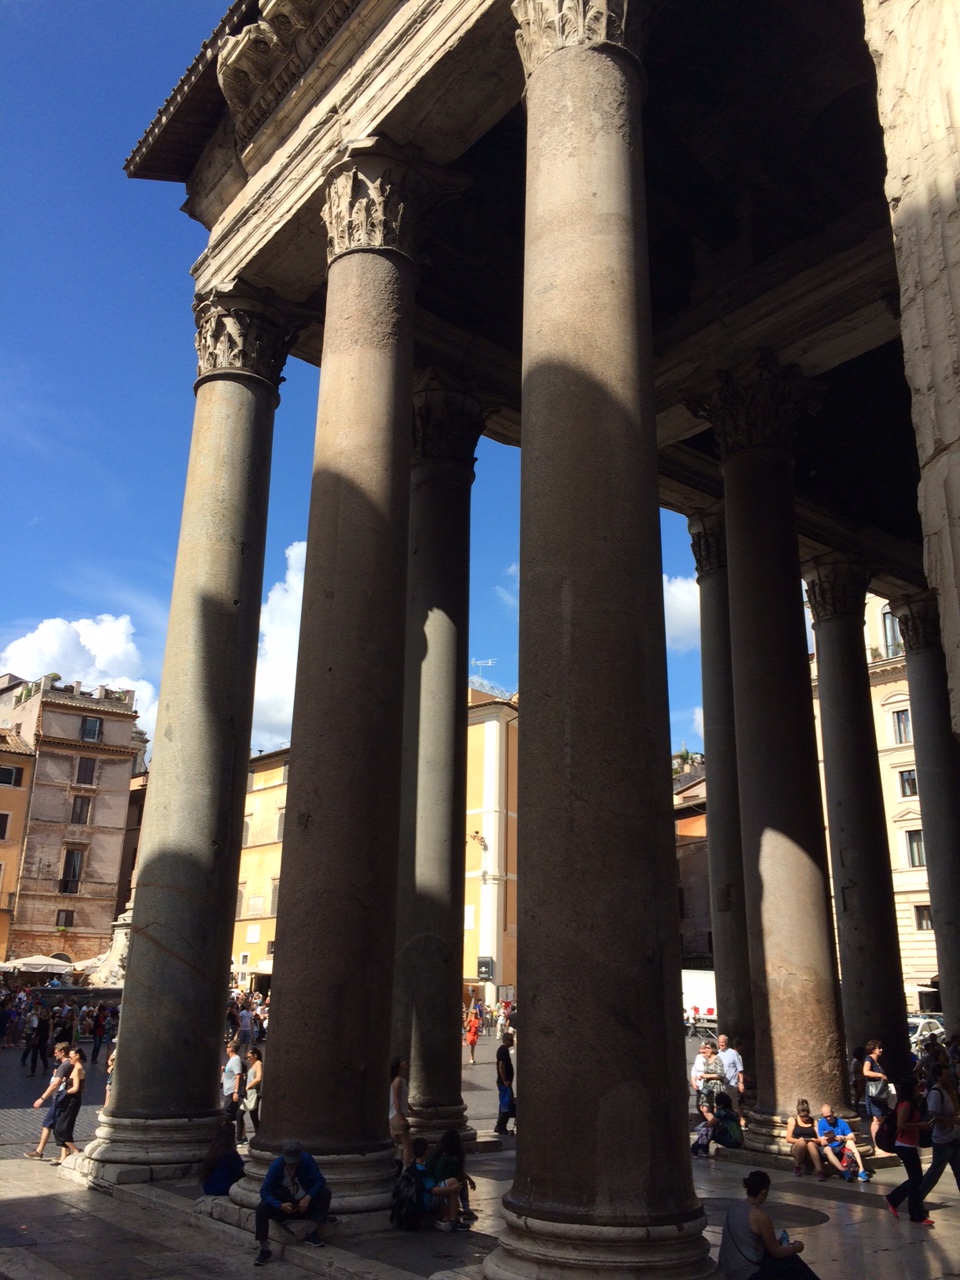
(19, 1123)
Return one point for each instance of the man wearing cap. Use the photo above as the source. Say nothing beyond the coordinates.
(294, 1188)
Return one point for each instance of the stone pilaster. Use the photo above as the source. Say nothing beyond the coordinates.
(428, 984)
(938, 783)
(731, 951)
(915, 46)
(159, 1123)
(874, 1005)
(594, 749)
(792, 956)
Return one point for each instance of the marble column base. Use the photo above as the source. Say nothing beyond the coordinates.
(534, 1249)
(433, 1122)
(358, 1183)
(136, 1150)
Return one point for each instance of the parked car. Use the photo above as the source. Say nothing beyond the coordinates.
(923, 1025)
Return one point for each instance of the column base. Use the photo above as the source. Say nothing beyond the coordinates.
(766, 1134)
(534, 1249)
(433, 1122)
(358, 1183)
(137, 1150)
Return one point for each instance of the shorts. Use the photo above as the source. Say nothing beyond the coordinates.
(398, 1126)
(878, 1107)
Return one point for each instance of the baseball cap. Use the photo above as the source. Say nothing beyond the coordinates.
(291, 1152)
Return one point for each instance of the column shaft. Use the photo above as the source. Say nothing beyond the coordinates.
(938, 785)
(336, 909)
(728, 916)
(874, 1004)
(598, 926)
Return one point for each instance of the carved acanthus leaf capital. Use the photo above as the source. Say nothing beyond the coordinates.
(919, 619)
(376, 199)
(756, 408)
(549, 25)
(708, 538)
(448, 418)
(242, 330)
(836, 587)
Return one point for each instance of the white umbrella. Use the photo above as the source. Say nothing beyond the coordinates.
(87, 966)
(38, 964)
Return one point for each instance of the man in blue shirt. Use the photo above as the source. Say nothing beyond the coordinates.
(836, 1138)
(294, 1188)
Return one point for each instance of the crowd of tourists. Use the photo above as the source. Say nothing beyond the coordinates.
(33, 1020)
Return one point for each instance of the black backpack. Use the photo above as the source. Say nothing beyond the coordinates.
(886, 1137)
(406, 1209)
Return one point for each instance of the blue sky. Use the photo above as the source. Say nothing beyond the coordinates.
(96, 371)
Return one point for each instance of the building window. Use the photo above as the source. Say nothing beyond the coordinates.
(924, 919)
(892, 643)
(253, 933)
(72, 865)
(244, 957)
(80, 812)
(11, 776)
(86, 767)
(286, 770)
(270, 946)
(280, 816)
(64, 919)
(240, 892)
(915, 850)
(250, 777)
(91, 728)
(908, 782)
(902, 732)
(245, 838)
(255, 906)
(274, 895)
(4, 821)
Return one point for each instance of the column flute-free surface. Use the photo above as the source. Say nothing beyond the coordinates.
(428, 983)
(792, 955)
(329, 1070)
(728, 916)
(874, 1004)
(603, 1179)
(182, 931)
(938, 784)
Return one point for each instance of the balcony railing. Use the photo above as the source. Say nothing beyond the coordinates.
(55, 885)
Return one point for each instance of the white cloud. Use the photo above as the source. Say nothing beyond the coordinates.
(681, 610)
(510, 596)
(94, 651)
(698, 722)
(277, 659)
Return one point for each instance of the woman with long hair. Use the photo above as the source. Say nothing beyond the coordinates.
(910, 1122)
(802, 1135)
(446, 1175)
(69, 1108)
(251, 1100)
(222, 1165)
(749, 1246)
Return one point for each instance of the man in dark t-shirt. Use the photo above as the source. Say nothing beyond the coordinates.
(507, 1103)
(55, 1092)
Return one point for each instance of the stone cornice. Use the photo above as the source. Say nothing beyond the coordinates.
(756, 408)
(708, 540)
(919, 619)
(836, 587)
(448, 419)
(242, 331)
(549, 25)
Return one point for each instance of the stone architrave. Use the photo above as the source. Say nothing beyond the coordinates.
(428, 984)
(792, 954)
(181, 932)
(874, 1004)
(595, 794)
(938, 784)
(915, 45)
(336, 912)
(728, 916)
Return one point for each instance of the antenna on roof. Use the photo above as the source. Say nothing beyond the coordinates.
(483, 662)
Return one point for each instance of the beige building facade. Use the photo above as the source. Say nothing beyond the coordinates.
(16, 782)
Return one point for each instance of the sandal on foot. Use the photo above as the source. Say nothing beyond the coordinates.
(55, 1163)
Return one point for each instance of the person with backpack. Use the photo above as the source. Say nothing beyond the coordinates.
(942, 1111)
(411, 1196)
(445, 1176)
(907, 1123)
(720, 1125)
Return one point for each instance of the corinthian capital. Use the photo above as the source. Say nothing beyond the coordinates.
(758, 407)
(549, 25)
(448, 418)
(242, 331)
(708, 538)
(376, 198)
(919, 619)
(836, 587)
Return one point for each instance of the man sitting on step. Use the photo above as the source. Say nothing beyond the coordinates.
(293, 1189)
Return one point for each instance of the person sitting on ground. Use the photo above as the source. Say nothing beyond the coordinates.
(720, 1125)
(293, 1189)
(222, 1165)
(445, 1176)
(802, 1135)
(749, 1246)
(836, 1139)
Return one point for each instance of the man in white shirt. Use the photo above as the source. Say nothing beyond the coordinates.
(732, 1067)
(231, 1082)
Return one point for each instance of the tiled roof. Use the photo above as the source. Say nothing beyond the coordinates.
(11, 741)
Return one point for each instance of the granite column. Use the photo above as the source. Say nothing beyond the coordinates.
(728, 916)
(792, 955)
(938, 784)
(598, 928)
(874, 1004)
(428, 982)
(182, 929)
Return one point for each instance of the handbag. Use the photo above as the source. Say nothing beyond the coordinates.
(878, 1089)
(251, 1100)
